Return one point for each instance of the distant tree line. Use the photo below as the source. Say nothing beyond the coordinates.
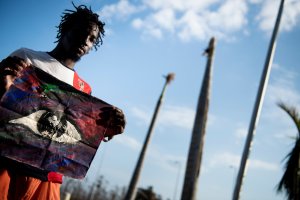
(80, 190)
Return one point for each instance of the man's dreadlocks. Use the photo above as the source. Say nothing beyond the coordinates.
(82, 14)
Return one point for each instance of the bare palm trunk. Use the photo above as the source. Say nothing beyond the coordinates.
(197, 141)
(258, 105)
(131, 193)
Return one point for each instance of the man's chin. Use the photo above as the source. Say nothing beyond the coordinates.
(75, 57)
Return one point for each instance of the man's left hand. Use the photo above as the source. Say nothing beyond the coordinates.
(113, 119)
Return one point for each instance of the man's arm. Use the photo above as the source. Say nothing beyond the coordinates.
(10, 68)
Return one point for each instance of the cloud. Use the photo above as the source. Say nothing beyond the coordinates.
(178, 116)
(227, 159)
(282, 88)
(190, 19)
(231, 16)
(147, 27)
(179, 5)
(268, 13)
(224, 159)
(120, 10)
(291, 15)
(255, 1)
(165, 19)
(193, 25)
(174, 116)
(258, 164)
(196, 20)
(166, 161)
(141, 114)
(241, 132)
(128, 141)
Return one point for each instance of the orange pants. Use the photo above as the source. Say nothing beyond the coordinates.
(16, 187)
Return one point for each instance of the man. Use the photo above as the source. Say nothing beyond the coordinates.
(79, 32)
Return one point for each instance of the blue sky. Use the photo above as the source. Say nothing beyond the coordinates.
(147, 39)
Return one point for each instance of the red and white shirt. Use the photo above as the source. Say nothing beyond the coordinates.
(50, 65)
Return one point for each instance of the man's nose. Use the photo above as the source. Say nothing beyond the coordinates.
(88, 42)
(85, 41)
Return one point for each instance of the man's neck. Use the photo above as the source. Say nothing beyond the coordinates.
(60, 56)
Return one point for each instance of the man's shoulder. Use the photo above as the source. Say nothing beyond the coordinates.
(26, 52)
(21, 51)
(36, 58)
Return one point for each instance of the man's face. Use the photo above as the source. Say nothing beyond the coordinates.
(80, 40)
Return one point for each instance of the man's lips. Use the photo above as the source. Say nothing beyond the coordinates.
(81, 50)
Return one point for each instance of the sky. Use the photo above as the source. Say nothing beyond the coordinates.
(147, 39)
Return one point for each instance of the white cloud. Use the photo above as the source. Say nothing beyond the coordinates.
(200, 20)
(176, 116)
(188, 18)
(228, 159)
(141, 114)
(291, 15)
(284, 136)
(137, 23)
(224, 159)
(283, 93)
(255, 1)
(268, 14)
(165, 19)
(241, 132)
(161, 4)
(197, 21)
(283, 88)
(192, 25)
(128, 141)
(180, 5)
(258, 164)
(166, 161)
(120, 10)
(231, 16)
(155, 24)
(147, 27)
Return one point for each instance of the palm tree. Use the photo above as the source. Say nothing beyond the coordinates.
(290, 181)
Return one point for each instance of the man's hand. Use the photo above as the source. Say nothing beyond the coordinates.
(10, 68)
(113, 119)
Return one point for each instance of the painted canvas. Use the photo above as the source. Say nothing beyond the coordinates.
(50, 125)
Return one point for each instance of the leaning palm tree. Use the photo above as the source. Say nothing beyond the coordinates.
(290, 181)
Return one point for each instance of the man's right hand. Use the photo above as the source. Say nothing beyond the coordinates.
(10, 68)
